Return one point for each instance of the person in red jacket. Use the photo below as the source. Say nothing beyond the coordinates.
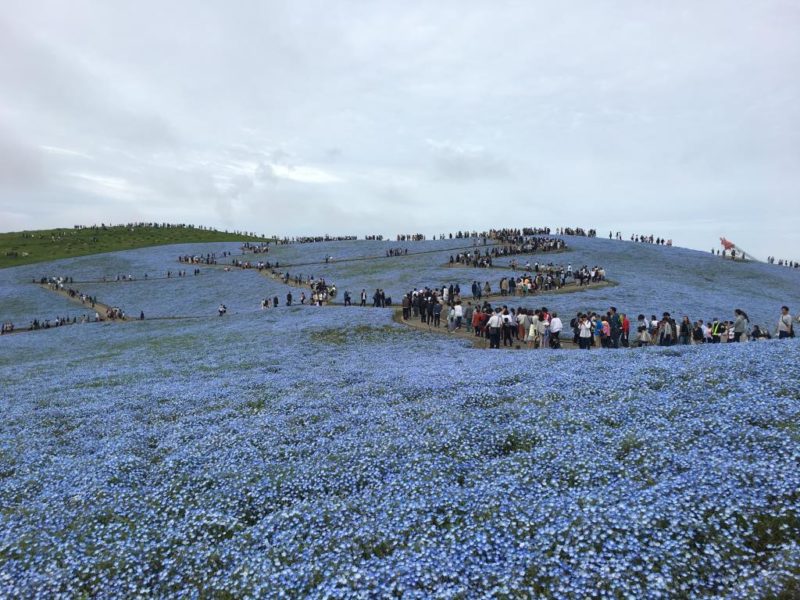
(477, 318)
(626, 330)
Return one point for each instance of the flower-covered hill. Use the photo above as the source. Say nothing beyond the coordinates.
(294, 454)
(651, 279)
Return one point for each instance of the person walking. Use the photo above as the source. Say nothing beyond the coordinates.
(665, 332)
(585, 333)
(785, 325)
(406, 307)
(555, 331)
(615, 324)
(685, 331)
(739, 325)
(437, 313)
(468, 312)
(626, 331)
(495, 326)
(717, 330)
(507, 326)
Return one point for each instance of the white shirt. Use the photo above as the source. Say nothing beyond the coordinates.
(543, 325)
(496, 320)
(534, 329)
(459, 310)
(556, 325)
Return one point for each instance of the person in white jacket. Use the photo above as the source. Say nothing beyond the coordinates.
(533, 332)
(555, 331)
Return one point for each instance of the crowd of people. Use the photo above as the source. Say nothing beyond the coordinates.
(536, 328)
(317, 239)
(321, 291)
(202, 259)
(644, 239)
(725, 253)
(551, 277)
(781, 262)
(252, 248)
(541, 328)
(9, 327)
(59, 284)
(614, 331)
(523, 245)
(577, 231)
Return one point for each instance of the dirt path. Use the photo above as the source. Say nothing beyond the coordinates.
(102, 309)
(99, 308)
(493, 244)
(569, 288)
(477, 342)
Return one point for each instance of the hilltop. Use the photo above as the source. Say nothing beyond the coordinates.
(28, 247)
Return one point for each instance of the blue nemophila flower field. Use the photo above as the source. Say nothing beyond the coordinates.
(329, 452)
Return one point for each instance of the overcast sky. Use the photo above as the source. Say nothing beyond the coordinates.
(673, 118)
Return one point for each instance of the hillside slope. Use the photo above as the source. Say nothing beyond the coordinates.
(27, 247)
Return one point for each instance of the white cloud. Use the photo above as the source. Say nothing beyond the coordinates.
(117, 188)
(363, 113)
(303, 174)
(65, 152)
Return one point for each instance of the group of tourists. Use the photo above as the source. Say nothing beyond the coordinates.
(537, 328)
(58, 283)
(792, 264)
(613, 331)
(523, 245)
(725, 253)
(252, 248)
(542, 278)
(397, 252)
(646, 239)
(319, 238)
(200, 259)
(577, 232)
(9, 327)
(180, 273)
(322, 292)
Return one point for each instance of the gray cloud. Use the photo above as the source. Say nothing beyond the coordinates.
(311, 116)
(21, 166)
(465, 162)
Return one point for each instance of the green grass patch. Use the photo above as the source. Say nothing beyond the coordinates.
(360, 334)
(27, 247)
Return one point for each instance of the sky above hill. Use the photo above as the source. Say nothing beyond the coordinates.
(679, 119)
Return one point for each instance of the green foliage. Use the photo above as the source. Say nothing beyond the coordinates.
(26, 247)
